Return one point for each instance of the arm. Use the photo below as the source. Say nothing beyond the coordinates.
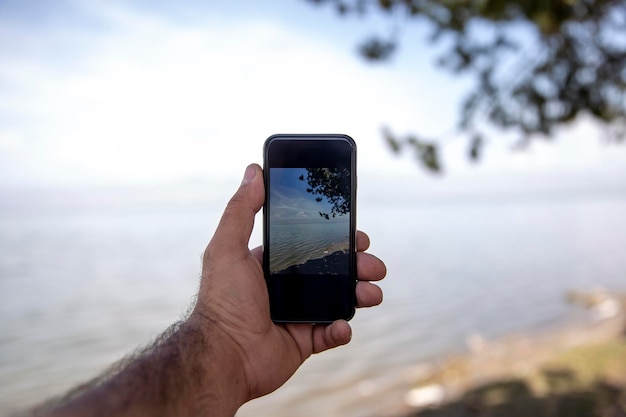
(228, 351)
(182, 373)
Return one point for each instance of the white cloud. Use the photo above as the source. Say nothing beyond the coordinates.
(152, 100)
(149, 99)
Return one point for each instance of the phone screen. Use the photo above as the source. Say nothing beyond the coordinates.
(309, 213)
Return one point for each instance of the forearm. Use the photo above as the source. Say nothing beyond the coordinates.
(191, 371)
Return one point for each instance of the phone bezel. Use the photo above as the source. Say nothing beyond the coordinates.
(313, 150)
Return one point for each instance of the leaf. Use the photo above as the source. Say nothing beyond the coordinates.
(476, 144)
(393, 143)
(376, 49)
(385, 4)
(430, 157)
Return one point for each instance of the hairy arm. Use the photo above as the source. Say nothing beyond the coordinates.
(181, 374)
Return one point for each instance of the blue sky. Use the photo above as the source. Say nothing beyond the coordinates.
(107, 92)
(290, 200)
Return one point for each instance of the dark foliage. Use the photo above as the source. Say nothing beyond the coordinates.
(513, 397)
(536, 64)
(334, 185)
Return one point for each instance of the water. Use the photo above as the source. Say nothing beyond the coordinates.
(296, 243)
(81, 287)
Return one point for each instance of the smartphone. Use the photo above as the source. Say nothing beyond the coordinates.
(309, 228)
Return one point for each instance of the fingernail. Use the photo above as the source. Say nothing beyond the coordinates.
(249, 175)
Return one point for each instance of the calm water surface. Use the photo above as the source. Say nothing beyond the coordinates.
(81, 288)
(296, 243)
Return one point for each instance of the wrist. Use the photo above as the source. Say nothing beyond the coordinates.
(218, 385)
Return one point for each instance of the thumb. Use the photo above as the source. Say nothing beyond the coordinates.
(233, 232)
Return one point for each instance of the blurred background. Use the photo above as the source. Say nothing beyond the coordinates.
(491, 163)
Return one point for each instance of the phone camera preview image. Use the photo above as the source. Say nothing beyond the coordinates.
(309, 225)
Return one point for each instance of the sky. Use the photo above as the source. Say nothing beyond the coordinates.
(290, 200)
(107, 93)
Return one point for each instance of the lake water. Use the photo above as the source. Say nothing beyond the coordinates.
(82, 286)
(296, 243)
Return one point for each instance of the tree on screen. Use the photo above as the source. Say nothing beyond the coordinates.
(332, 184)
(536, 65)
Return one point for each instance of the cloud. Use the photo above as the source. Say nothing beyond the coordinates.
(150, 99)
(140, 98)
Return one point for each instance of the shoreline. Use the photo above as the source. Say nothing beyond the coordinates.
(315, 261)
(435, 387)
(326, 265)
(429, 388)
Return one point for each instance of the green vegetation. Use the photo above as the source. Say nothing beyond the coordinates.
(536, 65)
(334, 185)
(584, 381)
(593, 363)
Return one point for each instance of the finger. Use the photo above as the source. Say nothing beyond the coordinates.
(362, 241)
(330, 336)
(369, 267)
(368, 294)
(301, 333)
(233, 232)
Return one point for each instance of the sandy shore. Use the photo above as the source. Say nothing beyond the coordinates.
(449, 379)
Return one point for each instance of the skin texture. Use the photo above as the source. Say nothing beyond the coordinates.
(228, 351)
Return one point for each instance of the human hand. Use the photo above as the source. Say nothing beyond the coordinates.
(233, 304)
(228, 351)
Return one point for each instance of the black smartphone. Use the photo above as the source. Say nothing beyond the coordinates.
(309, 229)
